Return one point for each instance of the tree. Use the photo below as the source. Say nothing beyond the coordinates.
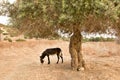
(45, 17)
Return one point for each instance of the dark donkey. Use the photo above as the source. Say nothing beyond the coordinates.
(51, 51)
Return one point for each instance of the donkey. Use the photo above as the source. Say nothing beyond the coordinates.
(51, 51)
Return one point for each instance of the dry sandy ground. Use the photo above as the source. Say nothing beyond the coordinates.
(20, 61)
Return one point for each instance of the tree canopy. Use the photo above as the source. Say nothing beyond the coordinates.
(44, 18)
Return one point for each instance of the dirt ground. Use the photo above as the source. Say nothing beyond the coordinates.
(20, 61)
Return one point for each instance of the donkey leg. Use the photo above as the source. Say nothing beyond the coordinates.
(61, 58)
(58, 58)
(48, 59)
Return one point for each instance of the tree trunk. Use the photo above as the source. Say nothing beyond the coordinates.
(77, 61)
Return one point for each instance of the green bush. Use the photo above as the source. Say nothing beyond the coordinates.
(97, 39)
(19, 40)
(7, 39)
(85, 40)
(5, 33)
(10, 40)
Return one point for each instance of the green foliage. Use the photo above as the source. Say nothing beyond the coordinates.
(92, 39)
(5, 33)
(8, 39)
(97, 39)
(65, 38)
(45, 17)
(20, 40)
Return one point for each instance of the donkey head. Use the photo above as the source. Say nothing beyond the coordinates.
(41, 59)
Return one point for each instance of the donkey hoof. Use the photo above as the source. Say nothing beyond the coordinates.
(80, 69)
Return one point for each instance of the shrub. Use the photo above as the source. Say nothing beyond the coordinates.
(5, 33)
(19, 40)
(10, 40)
(7, 39)
(97, 39)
